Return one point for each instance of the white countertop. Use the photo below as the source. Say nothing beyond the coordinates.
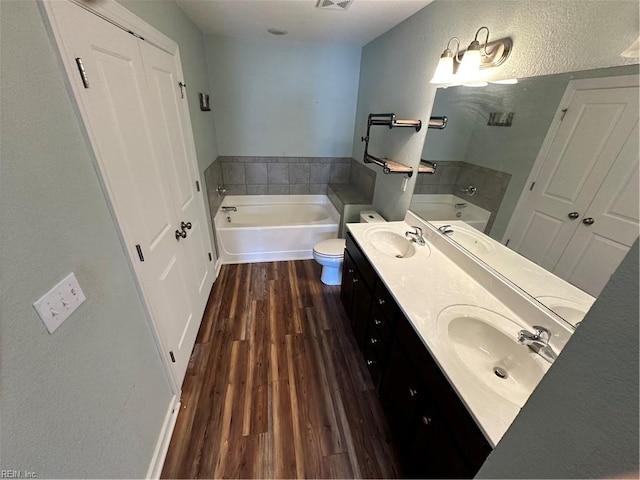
(438, 276)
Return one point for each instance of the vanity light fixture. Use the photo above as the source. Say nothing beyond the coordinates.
(463, 67)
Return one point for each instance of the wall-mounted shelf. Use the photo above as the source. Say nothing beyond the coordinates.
(391, 166)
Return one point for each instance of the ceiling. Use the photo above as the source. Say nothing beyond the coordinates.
(363, 20)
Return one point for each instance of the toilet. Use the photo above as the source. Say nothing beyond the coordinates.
(330, 253)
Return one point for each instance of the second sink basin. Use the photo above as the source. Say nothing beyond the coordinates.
(485, 346)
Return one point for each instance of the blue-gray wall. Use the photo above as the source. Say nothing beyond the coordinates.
(397, 66)
(89, 400)
(278, 98)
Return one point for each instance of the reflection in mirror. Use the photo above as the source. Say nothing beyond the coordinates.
(550, 173)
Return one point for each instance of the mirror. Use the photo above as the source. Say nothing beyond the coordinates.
(485, 156)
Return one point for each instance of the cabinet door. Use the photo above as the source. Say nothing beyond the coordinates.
(400, 391)
(346, 288)
(432, 453)
(360, 309)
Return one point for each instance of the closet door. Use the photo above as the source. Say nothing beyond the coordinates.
(597, 124)
(175, 151)
(115, 103)
(609, 226)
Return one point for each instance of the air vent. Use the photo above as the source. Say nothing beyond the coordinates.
(334, 4)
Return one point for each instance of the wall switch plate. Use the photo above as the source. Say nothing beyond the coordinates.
(55, 306)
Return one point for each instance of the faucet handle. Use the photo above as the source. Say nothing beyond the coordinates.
(542, 333)
(418, 230)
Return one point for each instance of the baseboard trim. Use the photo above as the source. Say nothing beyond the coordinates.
(218, 267)
(162, 445)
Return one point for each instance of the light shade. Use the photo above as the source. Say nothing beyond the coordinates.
(470, 63)
(444, 70)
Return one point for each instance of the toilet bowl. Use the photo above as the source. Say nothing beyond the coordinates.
(330, 253)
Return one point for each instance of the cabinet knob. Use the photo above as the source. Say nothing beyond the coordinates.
(350, 270)
(377, 322)
(374, 341)
(588, 221)
(371, 362)
(413, 392)
(426, 420)
(381, 301)
(354, 280)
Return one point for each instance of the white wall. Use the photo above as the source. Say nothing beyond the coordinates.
(549, 37)
(89, 400)
(274, 97)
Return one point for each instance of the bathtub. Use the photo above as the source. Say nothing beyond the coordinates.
(268, 228)
(442, 207)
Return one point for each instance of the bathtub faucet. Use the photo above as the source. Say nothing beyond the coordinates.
(220, 190)
(446, 230)
(229, 209)
(470, 190)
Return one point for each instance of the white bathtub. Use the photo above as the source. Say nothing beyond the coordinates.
(268, 228)
(443, 207)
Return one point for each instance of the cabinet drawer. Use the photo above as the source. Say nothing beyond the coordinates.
(362, 264)
(383, 300)
(380, 326)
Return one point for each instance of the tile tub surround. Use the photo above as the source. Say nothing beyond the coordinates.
(451, 177)
(282, 175)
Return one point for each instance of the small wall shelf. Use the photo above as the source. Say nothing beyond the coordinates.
(391, 166)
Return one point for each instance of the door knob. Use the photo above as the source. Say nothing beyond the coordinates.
(184, 225)
(180, 234)
(573, 215)
(588, 221)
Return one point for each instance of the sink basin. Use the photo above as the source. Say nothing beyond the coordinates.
(484, 345)
(472, 240)
(571, 311)
(392, 244)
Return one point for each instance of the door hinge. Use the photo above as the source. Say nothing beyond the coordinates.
(173, 359)
(197, 185)
(140, 256)
(531, 187)
(210, 257)
(182, 87)
(564, 112)
(83, 74)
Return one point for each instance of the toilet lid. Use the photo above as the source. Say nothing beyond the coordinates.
(330, 248)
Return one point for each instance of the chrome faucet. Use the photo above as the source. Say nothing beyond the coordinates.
(470, 190)
(538, 342)
(416, 235)
(446, 230)
(220, 190)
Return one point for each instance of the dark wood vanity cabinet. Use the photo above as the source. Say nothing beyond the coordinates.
(434, 434)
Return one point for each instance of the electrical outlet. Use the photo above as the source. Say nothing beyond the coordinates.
(55, 306)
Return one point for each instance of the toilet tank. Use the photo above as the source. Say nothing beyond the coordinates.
(371, 216)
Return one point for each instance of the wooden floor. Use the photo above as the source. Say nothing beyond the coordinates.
(276, 387)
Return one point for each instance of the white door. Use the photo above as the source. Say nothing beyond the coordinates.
(169, 118)
(118, 113)
(598, 124)
(609, 226)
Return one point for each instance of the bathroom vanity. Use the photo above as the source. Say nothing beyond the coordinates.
(439, 334)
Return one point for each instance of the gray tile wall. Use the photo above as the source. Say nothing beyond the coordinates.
(282, 175)
(451, 177)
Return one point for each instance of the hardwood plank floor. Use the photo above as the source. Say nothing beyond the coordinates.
(276, 387)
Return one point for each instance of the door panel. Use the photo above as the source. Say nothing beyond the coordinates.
(596, 128)
(596, 250)
(177, 155)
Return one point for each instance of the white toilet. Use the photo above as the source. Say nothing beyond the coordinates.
(330, 253)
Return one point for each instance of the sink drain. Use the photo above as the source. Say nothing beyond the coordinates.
(499, 372)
